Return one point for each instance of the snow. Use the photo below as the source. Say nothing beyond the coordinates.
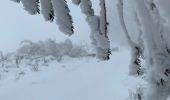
(73, 79)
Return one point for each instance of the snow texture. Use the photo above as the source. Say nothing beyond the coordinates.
(72, 79)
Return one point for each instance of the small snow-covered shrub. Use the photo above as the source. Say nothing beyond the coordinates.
(51, 48)
(31, 56)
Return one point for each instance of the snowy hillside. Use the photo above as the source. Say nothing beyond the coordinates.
(73, 79)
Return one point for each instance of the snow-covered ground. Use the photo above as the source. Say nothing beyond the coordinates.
(74, 79)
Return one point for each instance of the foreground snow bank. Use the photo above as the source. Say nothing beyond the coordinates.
(73, 79)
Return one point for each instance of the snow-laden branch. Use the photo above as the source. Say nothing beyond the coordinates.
(136, 49)
(103, 18)
(63, 18)
(120, 7)
(47, 10)
(99, 39)
(157, 50)
(32, 6)
(51, 8)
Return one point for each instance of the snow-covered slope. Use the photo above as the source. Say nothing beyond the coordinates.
(73, 79)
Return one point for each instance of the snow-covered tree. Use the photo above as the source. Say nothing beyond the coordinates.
(153, 45)
(153, 19)
(58, 10)
(153, 16)
(156, 30)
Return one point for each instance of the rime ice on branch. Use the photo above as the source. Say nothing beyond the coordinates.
(156, 47)
(51, 8)
(47, 10)
(32, 6)
(63, 18)
(136, 48)
(98, 25)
